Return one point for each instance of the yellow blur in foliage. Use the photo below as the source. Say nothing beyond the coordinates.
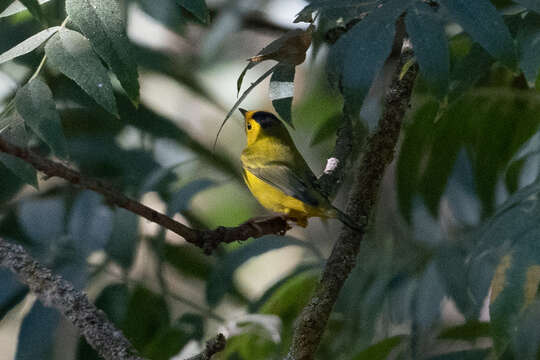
(278, 176)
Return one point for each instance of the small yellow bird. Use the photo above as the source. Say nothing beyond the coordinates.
(278, 176)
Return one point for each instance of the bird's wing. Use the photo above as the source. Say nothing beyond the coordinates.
(285, 179)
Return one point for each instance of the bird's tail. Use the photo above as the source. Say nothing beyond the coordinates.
(346, 220)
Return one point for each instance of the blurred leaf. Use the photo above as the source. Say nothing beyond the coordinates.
(331, 10)
(526, 342)
(380, 350)
(463, 355)
(102, 23)
(189, 260)
(21, 168)
(91, 222)
(529, 4)
(182, 70)
(327, 129)
(34, 102)
(181, 200)
(528, 40)
(221, 279)
(167, 13)
(171, 340)
(255, 306)
(470, 331)
(147, 314)
(351, 67)
(4, 4)
(11, 184)
(124, 238)
(514, 285)
(13, 292)
(34, 8)
(100, 156)
(29, 44)
(430, 46)
(70, 53)
(282, 90)
(197, 8)
(152, 123)
(481, 20)
(290, 298)
(16, 7)
(42, 219)
(249, 346)
(468, 70)
(418, 137)
(37, 333)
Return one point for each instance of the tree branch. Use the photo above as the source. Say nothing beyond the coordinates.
(380, 152)
(213, 346)
(207, 240)
(52, 290)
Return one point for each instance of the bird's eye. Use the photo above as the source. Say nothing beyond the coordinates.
(249, 126)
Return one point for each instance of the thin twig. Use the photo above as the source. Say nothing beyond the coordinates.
(54, 291)
(380, 152)
(207, 240)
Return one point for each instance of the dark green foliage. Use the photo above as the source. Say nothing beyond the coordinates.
(466, 177)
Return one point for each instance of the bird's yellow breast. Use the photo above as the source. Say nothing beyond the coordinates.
(275, 200)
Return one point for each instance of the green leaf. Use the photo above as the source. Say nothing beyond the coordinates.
(171, 340)
(468, 70)
(528, 40)
(42, 220)
(37, 333)
(147, 314)
(91, 222)
(12, 292)
(428, 37)
(290, 298)
(533, 5)
(11, 184)
(526, 342)
(380, 350)
(282, 89)
(221, 279)
(4, 4)
(418, 139)
(35, 104)
(481, 20)
(34, 8)
(269, 293)
(182, 198)
(463, 355)
(102, 23)
(470, 331)
(515, 282)
(15, 7)
(21, 168)
(29, 44)
(124, 238)
(197, 8)
(326, 129)
(351, 66)
(70, 53)
(188, 260)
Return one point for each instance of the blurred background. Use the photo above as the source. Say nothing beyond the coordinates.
(419, 275)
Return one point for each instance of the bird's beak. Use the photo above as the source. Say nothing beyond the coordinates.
(242, 111)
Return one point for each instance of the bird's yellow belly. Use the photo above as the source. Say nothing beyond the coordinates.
(275, 200)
